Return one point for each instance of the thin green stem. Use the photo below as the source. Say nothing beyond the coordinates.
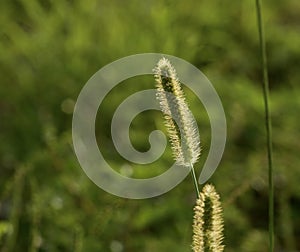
(268, 122)
(195, 181)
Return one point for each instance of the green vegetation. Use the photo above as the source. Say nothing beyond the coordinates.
(49, 49)
(268, 120)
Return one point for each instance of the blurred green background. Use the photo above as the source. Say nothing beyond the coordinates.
(48, 51)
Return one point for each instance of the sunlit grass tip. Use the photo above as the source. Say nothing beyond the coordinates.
(180, 123)
(208, 222)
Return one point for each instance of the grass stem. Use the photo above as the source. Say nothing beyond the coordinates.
(195, 181)
(268, 122)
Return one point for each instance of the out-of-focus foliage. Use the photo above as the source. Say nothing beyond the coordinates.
(49, 49)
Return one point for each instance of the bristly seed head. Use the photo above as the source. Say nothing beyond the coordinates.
(180, 123)
(208, 222)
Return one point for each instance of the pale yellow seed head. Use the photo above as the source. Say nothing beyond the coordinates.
(180, 123)
(208, 222)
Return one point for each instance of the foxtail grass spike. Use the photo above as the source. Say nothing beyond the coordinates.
(208, 222)
(181, 126)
